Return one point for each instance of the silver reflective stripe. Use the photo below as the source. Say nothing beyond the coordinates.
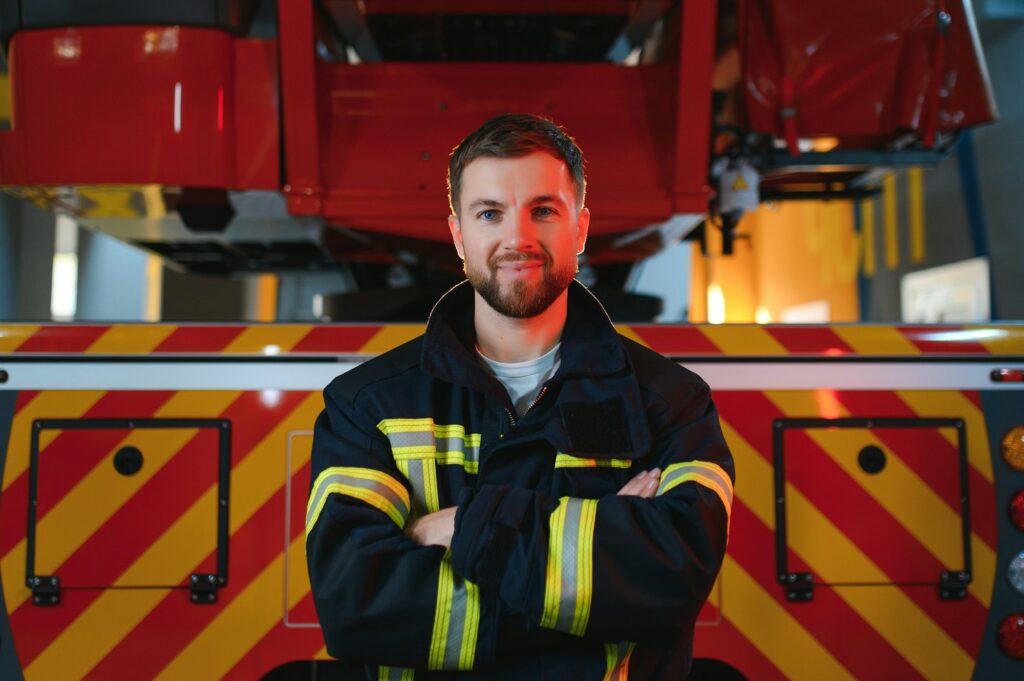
(413, 439)
(325, 483)
(414, 471)
(570, 542)
(456, 622)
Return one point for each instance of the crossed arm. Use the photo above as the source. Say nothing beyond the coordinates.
(436, 529)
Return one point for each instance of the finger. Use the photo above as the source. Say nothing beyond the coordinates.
(634, 486)
(650, 488)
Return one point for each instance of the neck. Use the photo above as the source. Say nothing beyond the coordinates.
(505, 339)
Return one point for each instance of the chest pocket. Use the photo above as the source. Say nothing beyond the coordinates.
(419, 446)
(589, 478)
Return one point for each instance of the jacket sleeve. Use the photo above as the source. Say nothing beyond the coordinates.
(617, 568)
(381, 598)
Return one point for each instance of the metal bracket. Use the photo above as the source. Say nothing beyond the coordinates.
(204, 588)
(45, 589)
(799, 586)
(953, 585)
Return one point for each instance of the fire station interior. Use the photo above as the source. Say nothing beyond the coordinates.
(775, 167)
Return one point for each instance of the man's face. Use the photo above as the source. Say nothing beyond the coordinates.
(519, 231)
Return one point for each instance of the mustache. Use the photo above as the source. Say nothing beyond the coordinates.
(518, 257)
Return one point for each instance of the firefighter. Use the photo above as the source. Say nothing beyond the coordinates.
(520, 492)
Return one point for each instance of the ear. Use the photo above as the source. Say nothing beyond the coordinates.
(582, 227)
(456, 229)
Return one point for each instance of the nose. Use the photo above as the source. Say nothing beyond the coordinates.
(520, 232)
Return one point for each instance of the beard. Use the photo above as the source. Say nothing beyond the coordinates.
(521, 299)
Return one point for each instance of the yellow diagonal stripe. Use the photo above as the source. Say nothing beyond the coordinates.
(825, 549)
(268, 339)
(53, 404)
(13, 336)
(629, 333)
(875, 340)
(130, 338)
(100, 494)
(108, 619)
(239, 626)
(774, 631)
(391, 336)
(901, 492)
(743, 340)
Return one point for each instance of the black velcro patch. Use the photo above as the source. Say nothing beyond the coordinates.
(597, 427)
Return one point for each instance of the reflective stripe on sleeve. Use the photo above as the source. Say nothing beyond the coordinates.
(377, 489)
(570, 461)
(569, 582)
(413, 439)
(703, 473)
(456, 621)
(395, 674)
(617, 658)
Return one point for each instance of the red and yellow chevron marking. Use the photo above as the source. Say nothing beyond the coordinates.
(841, 523)
(683, 340)
(99, 633)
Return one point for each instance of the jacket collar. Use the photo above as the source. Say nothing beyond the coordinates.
(590, 344)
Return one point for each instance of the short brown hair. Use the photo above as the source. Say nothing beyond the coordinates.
(512, 136)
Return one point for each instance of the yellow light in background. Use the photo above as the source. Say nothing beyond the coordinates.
(763, 315)
(716, 304)
(64, 282)
(154, 288)
(823, 144)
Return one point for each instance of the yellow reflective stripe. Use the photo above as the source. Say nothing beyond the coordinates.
(388, 426)
(442, 615)
(471, 628)
(616, 657)
(378, 489)
(395, 674)
(570, 461)
(569, 579)
(704, 473)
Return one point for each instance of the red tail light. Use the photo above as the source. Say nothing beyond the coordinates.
(1017, 509)
(1011, 636)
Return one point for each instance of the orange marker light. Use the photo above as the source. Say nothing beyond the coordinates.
(1013, 448)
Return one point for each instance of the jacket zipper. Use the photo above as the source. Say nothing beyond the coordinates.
(512, 419)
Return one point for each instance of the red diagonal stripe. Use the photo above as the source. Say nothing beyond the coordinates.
(676, 340)
(175, 622)
(24, 397)
(937, 340)
(813, 340)
(209, 339)
(859, 517)
(64, 461)
(926, 463)
(336, 339)
(852, 640)
(60, 338)
(161, 501)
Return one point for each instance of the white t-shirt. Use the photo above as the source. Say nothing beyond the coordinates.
(524, 380)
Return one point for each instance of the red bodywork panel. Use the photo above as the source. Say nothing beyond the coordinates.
(141, 104)
(865, 72)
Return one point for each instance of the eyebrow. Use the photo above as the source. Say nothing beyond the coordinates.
(537, 200)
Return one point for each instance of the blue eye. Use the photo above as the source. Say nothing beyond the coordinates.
(544, 212)
(487, 215)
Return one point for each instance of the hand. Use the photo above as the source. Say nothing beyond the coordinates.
(644, 485)
(433, 529)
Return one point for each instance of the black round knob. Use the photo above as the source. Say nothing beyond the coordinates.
(128, 460)
(871, 459)
(4, 375)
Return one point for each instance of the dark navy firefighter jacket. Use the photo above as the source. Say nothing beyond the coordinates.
(550, 575)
